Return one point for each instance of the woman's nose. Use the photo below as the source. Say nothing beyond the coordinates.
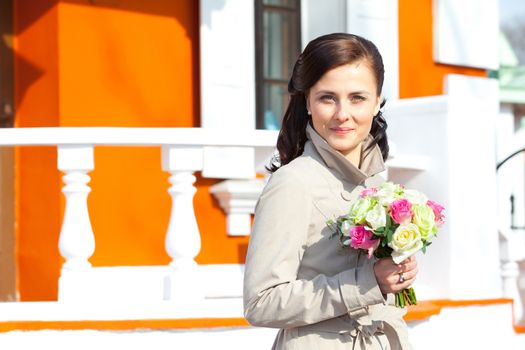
(343, 112)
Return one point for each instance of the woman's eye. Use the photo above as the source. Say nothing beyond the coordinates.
(327, 98)
(357, 98)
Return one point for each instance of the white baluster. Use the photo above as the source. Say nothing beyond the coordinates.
(183, 240)
(511, 252)
(76, 242)
(510, 272)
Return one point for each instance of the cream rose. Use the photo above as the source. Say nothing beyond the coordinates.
(406, 242)
(376, 217)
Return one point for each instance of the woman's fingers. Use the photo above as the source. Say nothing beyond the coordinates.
(406, 265)
(388, 274)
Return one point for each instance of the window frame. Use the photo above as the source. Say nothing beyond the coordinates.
(260, 81)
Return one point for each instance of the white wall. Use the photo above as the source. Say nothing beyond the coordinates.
(227, 61)
(456, 133)
(377, 20)
(314, 15)
(466, 32)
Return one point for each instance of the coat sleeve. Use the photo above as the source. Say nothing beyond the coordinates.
(273, 296)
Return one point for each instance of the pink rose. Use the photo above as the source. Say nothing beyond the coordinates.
(361, 238)
(367, 192)
(438, 212)
(401, 211)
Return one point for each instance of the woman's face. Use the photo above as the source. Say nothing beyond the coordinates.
(343, 103)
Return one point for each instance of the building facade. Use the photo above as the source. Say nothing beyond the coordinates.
(222, 66)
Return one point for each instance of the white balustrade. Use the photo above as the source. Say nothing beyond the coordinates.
(183, 241)
(183, 154)
(76, 242)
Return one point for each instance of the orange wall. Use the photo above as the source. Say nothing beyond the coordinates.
(418, 74)
(217, 247)
(36, 98)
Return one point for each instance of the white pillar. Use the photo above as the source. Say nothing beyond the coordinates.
(183, 241)
(76, 242)
(509, 273)
(511, 253)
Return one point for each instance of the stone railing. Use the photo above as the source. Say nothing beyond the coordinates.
(225, 154)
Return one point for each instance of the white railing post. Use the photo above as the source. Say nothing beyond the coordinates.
(183, 241)
(76, 242)
(511, 253)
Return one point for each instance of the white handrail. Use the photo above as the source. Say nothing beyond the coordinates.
(121, 136)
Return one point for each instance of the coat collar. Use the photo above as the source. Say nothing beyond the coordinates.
(371, 164)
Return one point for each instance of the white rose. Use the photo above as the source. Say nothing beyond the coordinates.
(388, 192)
(376, 217)
(406, 242)
(416, 197)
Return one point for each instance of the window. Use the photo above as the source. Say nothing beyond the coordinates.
(277, 45)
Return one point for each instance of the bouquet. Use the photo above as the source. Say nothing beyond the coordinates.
(390, 220)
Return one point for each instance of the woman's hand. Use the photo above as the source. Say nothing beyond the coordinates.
(392, 277)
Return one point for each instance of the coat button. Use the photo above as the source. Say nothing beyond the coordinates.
(351, 196)
(347, 196)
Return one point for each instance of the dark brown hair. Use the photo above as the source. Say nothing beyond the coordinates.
(321, 55)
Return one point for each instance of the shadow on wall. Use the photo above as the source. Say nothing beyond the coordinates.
(28, 12)
(36, 9)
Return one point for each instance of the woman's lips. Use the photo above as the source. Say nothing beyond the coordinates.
(340, 130)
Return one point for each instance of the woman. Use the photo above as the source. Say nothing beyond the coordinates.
(331, 144)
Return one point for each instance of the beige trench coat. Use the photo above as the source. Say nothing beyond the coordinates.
(320, 295)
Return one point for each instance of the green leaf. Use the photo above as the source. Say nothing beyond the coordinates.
(389, 235)
(380, 232)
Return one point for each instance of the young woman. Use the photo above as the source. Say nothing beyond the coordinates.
(331, 145)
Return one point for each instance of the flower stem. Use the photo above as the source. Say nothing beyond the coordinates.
(406, 297)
